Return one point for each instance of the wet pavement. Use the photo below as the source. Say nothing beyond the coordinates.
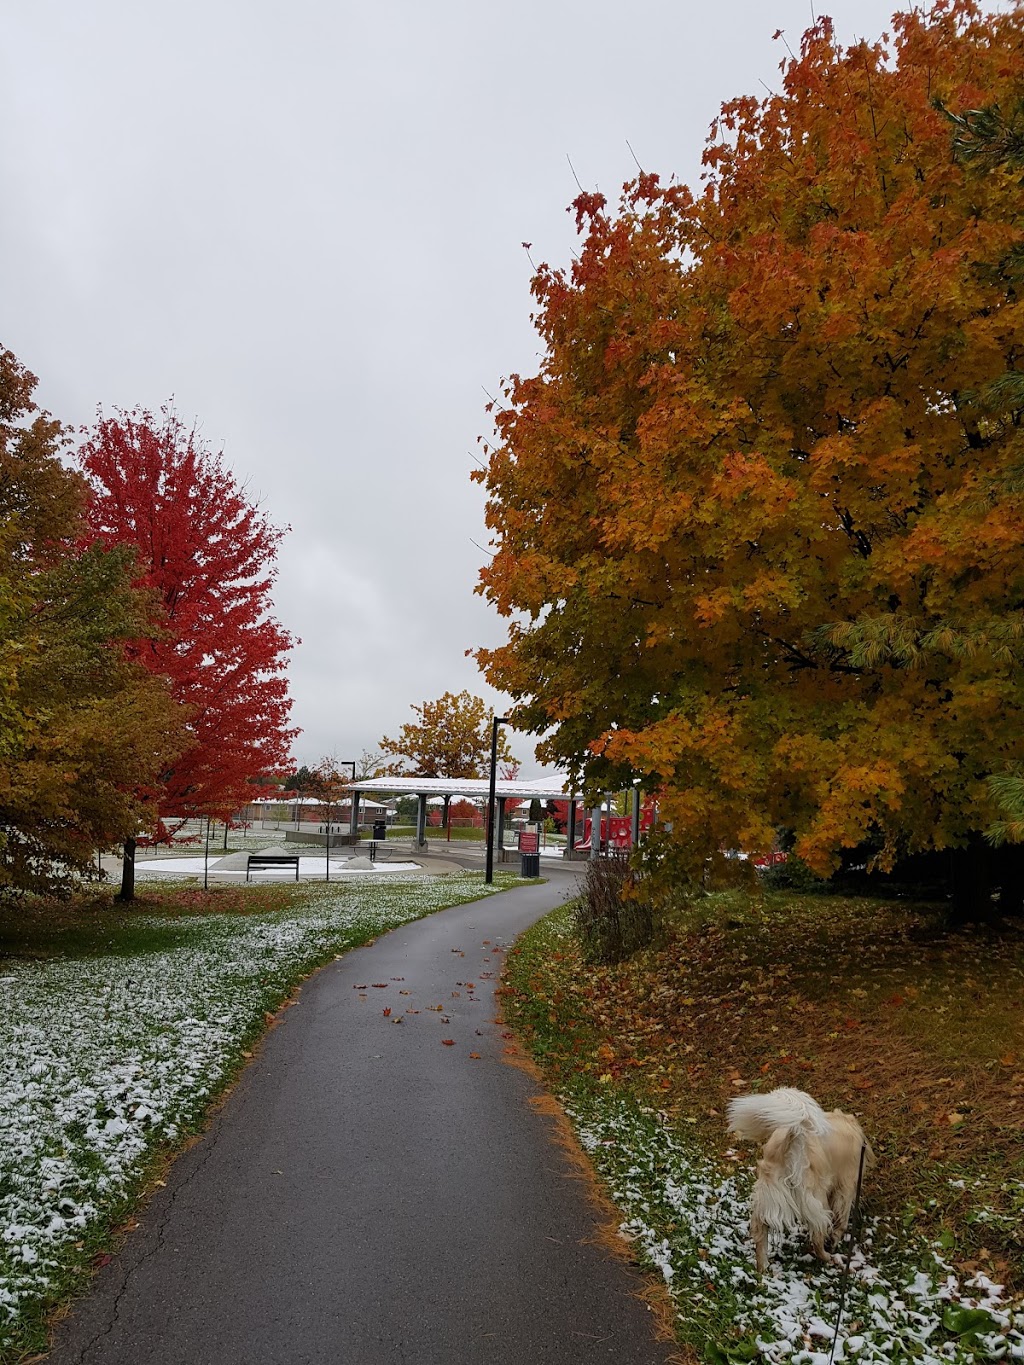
(372, 1193)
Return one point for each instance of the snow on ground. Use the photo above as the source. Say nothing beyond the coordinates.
(103, 1057)
(309, 866)
(690, 1221)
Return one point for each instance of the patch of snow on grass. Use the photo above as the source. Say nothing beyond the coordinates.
(104, 1057)
(309, 866)
(690, 1220)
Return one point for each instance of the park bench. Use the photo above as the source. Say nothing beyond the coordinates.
(272, 860)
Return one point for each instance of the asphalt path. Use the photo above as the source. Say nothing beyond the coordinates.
(370, 1195)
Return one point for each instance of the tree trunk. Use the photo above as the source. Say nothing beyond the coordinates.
(127, 892)
(1010, 865)
(972, 882)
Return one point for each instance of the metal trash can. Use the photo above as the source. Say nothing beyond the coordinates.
(529, 864)
(380, 830)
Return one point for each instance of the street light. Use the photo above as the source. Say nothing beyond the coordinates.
(345, 763)
(495, 722)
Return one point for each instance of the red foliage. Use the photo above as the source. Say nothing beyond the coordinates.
(465, 811)
(559, 812)
(208, 554)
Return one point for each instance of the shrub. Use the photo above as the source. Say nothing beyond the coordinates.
(613, 917)
(794, 875)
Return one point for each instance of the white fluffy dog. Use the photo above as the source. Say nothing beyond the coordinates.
(808, 1170)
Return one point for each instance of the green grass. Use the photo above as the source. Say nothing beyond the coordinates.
(143, 1017)
(872, 1006)
(434, 834)
(95, 923)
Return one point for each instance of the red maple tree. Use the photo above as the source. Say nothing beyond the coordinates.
(208, 554)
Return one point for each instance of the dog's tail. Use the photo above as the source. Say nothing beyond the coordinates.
(784, 1120)
(757, 1117)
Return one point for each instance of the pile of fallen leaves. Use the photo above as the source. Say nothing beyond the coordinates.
(874, 1007)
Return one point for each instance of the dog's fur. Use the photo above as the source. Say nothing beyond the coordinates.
(808, 1168)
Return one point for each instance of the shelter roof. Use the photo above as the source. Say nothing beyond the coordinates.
(307, 801)
(553, 788)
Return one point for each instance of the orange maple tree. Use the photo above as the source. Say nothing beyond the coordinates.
(450, 737)
(757, 518)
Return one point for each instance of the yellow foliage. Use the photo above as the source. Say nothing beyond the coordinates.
(764, 528)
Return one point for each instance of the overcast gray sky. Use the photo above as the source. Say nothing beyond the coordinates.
(303, 221)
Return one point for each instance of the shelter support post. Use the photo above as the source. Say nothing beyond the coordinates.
(499, 834)
(353, 827)
(421, 822)
(570, 830)
(595, 832)
(635, 812)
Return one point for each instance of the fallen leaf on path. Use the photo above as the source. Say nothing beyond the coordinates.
(474, 1056)
(448, 1042)
(380, 985)
(387, 1011)
(360, 988)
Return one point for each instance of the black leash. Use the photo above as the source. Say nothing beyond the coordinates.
(853, 1227)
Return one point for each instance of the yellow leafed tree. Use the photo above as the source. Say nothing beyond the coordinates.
(757, 518)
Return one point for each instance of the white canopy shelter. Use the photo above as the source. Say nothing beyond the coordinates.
(553, 788)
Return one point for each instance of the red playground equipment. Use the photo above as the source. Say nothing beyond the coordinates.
(617, 833)
(616, 830)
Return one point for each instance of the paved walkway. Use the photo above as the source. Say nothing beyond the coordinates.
(370, 1196)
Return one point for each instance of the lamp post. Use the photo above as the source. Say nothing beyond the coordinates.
(635, 814)
(495, 722)
(344, 763)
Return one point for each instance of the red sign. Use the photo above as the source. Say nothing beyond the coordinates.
(529, 841)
